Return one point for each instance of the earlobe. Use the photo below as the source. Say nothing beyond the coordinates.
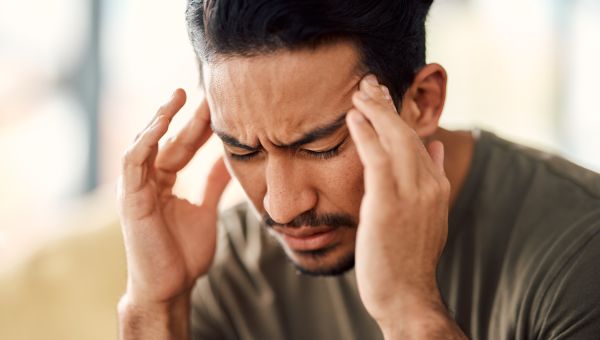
(424, 100)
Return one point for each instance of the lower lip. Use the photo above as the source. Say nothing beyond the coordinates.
(312, 242)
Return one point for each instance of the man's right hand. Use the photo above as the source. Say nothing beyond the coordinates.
(169, 241)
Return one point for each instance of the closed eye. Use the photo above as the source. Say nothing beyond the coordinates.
(243, 157)
(325, 154)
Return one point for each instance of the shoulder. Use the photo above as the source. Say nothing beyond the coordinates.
(509, 158)
(534, 195)
(553, 244)
(569, 303)
(553, 205)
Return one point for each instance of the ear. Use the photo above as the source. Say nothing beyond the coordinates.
(424, 100)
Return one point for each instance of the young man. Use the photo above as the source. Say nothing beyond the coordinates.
(329, 120)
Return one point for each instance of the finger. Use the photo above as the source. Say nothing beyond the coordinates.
(371, 100)
(396, 137)
(138, 153)
(386, 94)
(217, 181)
(375, 90)
(436, 152)
(135, 161)
(142, 152)
(173, 106)
(169, 109)
(179, 150)
(376, 161)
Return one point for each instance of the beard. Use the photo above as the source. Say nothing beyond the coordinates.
(342, 265)
(312, 219)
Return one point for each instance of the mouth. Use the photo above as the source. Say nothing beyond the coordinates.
(307, 238)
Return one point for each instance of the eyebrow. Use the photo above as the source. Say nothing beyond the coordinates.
(309, 137)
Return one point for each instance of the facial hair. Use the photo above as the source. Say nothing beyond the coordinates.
(312, 219)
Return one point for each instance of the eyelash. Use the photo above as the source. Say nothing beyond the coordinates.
(327, 154)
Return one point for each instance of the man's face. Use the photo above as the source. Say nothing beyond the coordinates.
(281, 119)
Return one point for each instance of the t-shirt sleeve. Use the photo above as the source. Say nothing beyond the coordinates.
(570, 308)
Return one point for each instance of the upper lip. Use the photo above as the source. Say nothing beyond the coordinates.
(302, 232)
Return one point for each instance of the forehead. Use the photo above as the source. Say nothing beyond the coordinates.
(280, 95)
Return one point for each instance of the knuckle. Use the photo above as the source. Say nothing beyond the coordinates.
(171, 140)
(177, 142)
(438, 186)
(128, 157)
(161, 109)
(381, 105)
(430, 191)
(445, 186)
(430, 188)
(438, 189)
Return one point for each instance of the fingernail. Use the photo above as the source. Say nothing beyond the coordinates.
(371, 79)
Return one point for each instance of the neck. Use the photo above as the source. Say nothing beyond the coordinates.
(458, 152)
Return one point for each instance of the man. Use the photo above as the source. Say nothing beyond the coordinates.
(329, 116)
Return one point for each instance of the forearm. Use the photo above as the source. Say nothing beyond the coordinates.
(428, 320)
(168, 321)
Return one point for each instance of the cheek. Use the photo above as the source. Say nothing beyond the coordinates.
(251, 178)
(341, 182)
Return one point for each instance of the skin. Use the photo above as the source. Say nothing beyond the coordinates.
(384, 177)
(285, 104)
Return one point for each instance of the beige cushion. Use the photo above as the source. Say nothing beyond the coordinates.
(68, 290)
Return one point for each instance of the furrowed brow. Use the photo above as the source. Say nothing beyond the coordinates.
(318, 133)
(232, 141)
(309, 137)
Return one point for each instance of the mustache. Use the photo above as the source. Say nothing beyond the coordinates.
(312, 219)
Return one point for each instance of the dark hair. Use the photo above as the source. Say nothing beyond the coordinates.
(389, 34)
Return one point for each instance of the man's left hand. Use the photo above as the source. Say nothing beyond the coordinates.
(404, 213)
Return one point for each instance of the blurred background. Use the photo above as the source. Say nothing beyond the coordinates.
(79, 79)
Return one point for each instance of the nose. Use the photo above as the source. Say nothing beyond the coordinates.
(289, 192)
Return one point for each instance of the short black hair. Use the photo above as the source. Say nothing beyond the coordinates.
(389, 34)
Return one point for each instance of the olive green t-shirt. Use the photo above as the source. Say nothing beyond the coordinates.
(522, 261)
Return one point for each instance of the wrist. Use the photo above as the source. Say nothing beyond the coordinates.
(410, 312)
(419, 318)
(410, 319)
(406, 306)
(131, 301)
(405, 299)
(141, 319)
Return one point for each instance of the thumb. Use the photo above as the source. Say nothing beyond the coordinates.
(217, 181)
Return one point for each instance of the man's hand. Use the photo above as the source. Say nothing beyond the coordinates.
(169, 242)
(403, 219)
